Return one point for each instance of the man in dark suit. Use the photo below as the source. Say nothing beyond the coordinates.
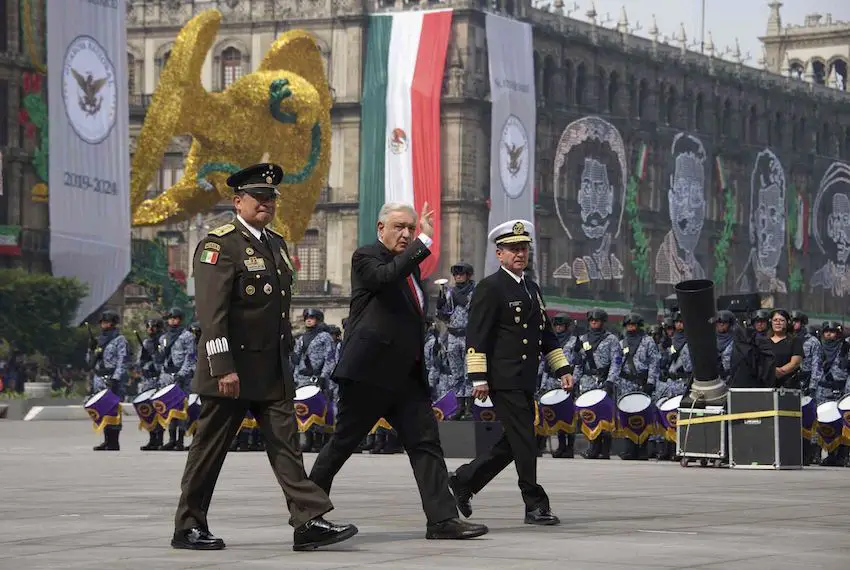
(381, 370)
(243, 280)
(507, 331)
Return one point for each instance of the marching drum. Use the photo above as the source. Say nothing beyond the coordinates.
(382, 424)
(810, 416)
(596, 410)
(830, 424)
(558, 411)
(446, 406)
(483, 411)
(844, 408)
(668, 417)
(143, 403)
(194, 413)
(249, 421)
(636, 417)
(170, 403)
(311, 407)
(104, 409)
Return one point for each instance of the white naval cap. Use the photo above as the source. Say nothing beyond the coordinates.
(512, 231)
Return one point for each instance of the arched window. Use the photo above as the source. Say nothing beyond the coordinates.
(819, 70)
(643, 99)
(581, 84)
(670, 107)
(568, 82)
(231, 66)
(309, 254)
(839, 75)
(549, 79)
(164, 58)
(601, 90)
(613, 90)
(699, 113)
(797, 70)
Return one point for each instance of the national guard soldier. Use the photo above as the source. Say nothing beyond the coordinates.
(109, 358)
(453, 308)
(677, 376)
(150, 364)
(313, 362)
(723, 325)
(811, 369)
(639, 372)
(835, 381)
(600, 358)
(180, 356)
(761, 321)
(243, 276)
(195, 329)
(508, 330)
(561, 323)
(433, 356)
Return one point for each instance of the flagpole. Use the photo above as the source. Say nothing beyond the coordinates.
(702, 30)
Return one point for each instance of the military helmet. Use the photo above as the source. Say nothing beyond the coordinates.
(154, 323)
(562, 319)
(597, 315)
(110, 316)
(761, 315)
(195, 329)
(313, 313)
(334, 330)
(800, 316)
(725, 316)
(461, 268)
(633, 319)
(831, 326)
(174, 313)
(677, 317)
(668, 323)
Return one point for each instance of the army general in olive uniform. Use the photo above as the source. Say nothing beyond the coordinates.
(243, 276)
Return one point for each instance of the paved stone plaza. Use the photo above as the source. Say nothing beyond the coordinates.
(65, 506)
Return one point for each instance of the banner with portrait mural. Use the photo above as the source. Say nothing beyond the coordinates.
(513, 124)
(89, 146)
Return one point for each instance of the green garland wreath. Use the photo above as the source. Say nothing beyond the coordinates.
(640, 257)
(721, 249)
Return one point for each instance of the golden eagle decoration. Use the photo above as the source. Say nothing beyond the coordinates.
(279, 113)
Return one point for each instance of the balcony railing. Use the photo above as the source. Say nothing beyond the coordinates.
(139, 104)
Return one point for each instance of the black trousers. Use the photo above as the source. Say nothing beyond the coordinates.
(515, 411)
(409, 412)
(217, 426)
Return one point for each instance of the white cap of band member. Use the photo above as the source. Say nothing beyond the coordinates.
(512, 231)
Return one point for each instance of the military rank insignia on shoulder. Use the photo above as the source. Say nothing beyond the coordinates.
(222, 230)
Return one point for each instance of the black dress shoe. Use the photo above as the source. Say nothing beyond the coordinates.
(196, 539)
(541, 516)
(319, 532)
(463, 497)
(454, 529)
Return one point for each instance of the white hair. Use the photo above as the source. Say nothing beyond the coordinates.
(391, 207)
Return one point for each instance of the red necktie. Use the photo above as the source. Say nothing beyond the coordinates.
(413, 290)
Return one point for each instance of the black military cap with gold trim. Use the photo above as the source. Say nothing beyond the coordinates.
(259, 180)
(513, 231)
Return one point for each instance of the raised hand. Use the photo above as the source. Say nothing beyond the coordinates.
(426, 221)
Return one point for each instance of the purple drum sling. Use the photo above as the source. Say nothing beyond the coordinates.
(170, 403)
(104, 409)
(830, 424)
(483, 411)
(446, 406)
(596, 410)
(844, 410)
(558, 411)
(810, 417)
(143, 403)
(668, 416)
(636, 417)
(311, 407)
(194, 413)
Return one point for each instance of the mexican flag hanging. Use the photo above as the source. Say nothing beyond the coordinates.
(400, 120)
(9, 244)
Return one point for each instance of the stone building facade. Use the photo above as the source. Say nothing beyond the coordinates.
(774, 141)
(23, 203)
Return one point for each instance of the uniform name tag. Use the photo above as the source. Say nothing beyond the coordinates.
(586, 345)
(515, 304)
(255, 264)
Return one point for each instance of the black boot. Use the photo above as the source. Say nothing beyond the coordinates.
(467, 409)
(674, 455)
(318, 441)
(605, 446)
(152, 444)
(172, 439)
(368, 443)
(112, 439)
(392, 445)
(102, 446)
(631, 451)
(178, 444)
(256, 441)
(307, 446)
(592, 451)
(565, 446)
(380, 442)
(541, 445)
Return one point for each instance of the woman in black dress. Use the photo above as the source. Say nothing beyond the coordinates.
(787, 350)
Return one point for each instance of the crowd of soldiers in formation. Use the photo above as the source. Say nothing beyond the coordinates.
(655, 361)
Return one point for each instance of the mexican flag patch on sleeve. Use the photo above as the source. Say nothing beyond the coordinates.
(210, 257)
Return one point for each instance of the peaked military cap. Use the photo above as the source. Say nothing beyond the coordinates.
(259, 180)
(513, 231)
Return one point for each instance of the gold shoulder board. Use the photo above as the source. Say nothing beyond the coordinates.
(223, 230)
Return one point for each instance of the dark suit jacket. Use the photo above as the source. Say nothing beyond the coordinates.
(385, 337)
(242, 296)
(507, 333)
